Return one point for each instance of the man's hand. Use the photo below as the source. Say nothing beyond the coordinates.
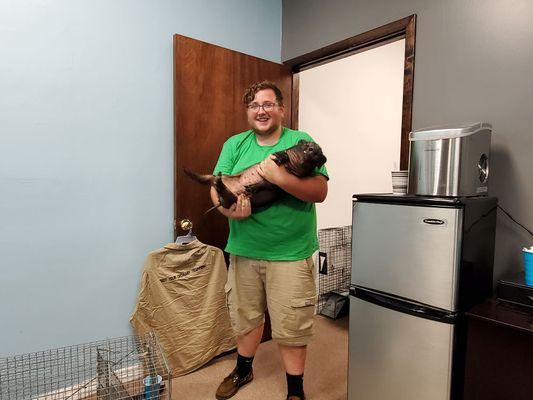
(272, 172)
(240, 210)
(311, 189)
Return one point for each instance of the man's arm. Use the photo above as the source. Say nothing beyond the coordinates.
(240, 210)
(313, 189)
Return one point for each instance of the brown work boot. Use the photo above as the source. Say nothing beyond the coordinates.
(231, 384)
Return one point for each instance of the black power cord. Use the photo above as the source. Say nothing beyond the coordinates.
(514, 220)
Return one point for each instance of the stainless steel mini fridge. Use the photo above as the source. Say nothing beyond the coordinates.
(417, 264)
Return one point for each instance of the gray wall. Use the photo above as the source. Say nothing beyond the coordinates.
(86, 152)
(474, 62)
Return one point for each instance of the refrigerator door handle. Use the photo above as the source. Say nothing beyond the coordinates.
(403, 305)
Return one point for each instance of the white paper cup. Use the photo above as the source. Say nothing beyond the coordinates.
(399, 182)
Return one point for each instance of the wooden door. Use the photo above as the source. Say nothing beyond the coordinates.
(209, 82)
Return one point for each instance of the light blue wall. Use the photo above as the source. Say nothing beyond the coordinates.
(86, 152)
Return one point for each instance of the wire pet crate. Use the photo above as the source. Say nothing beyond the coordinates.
(334, 267)
(127, 368)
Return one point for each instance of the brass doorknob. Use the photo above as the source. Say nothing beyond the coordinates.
(186, 224)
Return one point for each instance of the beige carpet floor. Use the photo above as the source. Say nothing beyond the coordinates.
(325, 375)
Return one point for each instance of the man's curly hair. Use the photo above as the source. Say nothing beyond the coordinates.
(250, 93)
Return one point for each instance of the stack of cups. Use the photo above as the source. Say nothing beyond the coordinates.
(528, 265)
(399, 182)
(152, 385)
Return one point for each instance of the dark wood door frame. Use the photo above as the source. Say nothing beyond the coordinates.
(404, 28)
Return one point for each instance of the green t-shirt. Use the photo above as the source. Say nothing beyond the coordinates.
(283, 231)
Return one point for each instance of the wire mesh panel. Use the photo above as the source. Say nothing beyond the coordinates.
(130, 367)
(334, 264)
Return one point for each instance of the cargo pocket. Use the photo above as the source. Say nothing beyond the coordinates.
(303, 310)
(227, 290)
(230, 313)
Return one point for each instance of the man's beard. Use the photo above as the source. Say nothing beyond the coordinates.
(268, 132)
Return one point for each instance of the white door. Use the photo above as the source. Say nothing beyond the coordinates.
(352, 107)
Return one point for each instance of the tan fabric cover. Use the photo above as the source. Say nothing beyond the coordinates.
(182, 300)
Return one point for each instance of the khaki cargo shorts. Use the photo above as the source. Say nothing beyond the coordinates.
(286, 288)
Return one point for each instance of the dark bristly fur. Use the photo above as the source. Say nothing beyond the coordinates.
(299, 160)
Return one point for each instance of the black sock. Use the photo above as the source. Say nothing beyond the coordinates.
(295, 385)
(244, 364)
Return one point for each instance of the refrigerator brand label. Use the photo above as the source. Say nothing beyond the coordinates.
(434, 221)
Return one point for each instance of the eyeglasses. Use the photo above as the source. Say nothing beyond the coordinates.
(267, 107)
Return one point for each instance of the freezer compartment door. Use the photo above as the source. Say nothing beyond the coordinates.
(408, 251)
(397, 356)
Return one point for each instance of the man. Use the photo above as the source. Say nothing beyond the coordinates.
(270, 250)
